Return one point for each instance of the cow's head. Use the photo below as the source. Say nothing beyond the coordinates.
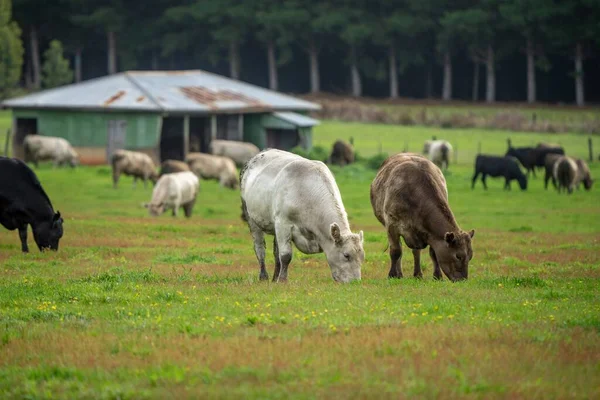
(48, 233)
(347, 255)
(155, 209)
(454, 253)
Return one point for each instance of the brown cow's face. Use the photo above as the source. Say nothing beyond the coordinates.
(454, 254)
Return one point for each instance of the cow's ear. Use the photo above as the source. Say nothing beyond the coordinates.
(449, 237)
(57, 217)
(361, 236)
(472, 233)
(335, 233)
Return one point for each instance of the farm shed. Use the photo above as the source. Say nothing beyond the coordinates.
(163, 113)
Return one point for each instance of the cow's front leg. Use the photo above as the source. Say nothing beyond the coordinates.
(23, 237)
(437, 272)
(283, 234)
(277, 261)
(417, 259)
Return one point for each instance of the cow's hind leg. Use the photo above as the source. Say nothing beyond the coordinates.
(187, 208)
(437, 272)
(483, 177)
(395, 253)
(277, 260)
(258, 238)
(283, 235)
(116, 174)
(23, 237)
(417, 259)
(474, 179)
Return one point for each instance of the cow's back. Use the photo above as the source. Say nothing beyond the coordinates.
(405, 187)
(20, 187)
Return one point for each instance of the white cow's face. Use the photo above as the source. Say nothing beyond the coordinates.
(155, 209)
(347, 257)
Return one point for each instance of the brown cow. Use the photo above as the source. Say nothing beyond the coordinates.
(207, 166)
(342, 153)
(170, 166)
(409, 197)
(549, 161)
(133, 163)
(583, 174)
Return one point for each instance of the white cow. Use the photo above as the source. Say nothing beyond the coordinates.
(172, 191)
(239, 152)
(207, 166)
(297, 200)
(438, 151)
(48, 148)
(133, 163)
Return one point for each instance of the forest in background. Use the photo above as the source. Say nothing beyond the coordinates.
(487, 50)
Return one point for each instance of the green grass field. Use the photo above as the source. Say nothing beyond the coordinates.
(138, 307)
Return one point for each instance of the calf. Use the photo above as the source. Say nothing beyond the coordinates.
(239, 152)
(207, 166)
(24, 202)
(170, 166)
(342, 153)
(172, 191)
(438, 151)
(495, 166)
(565, 172)
(410, 199)
(133, 163)
(47, 148)
(298, 201)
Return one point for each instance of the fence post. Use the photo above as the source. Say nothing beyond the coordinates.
(590, 149)
(478, 148)
(509, 143)
(6, 142)
(433, 137)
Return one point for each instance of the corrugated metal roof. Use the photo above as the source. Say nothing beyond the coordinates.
(192, 91)
(296, 119)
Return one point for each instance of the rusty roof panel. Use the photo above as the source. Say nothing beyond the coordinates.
(159, 91)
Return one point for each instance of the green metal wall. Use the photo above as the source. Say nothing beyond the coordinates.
(254, 131)
(89, 129)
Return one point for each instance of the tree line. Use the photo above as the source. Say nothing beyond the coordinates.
(377, 40)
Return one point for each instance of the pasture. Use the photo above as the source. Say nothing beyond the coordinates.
(139, 307)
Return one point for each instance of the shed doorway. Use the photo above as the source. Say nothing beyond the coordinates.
(23, 127)
(282, 139)
(199, 134)
(171, 139)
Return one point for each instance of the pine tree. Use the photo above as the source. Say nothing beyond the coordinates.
(55, 70)
(11, 49)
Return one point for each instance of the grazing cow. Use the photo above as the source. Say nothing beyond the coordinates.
(170, 166)
(438, 151)
(342, 153)
(298, 201)
(47, 148)
(24, 202)
(133, 163)
(410, 199)
(583, 174)
(207, 166)
(239, 152)
(178, 189)
(524, 155)
(549, 161)
(565, 173)
(496, 166)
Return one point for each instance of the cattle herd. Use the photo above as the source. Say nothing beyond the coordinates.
(297, 200)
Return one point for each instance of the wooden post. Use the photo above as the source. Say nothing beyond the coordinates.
(186, 136)
(478, 148)
(240, 127)
(433, 137)
(590, 149)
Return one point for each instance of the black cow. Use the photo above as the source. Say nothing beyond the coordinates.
(496, 166)
(525, 157)
(23, 202)
(538, 155)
